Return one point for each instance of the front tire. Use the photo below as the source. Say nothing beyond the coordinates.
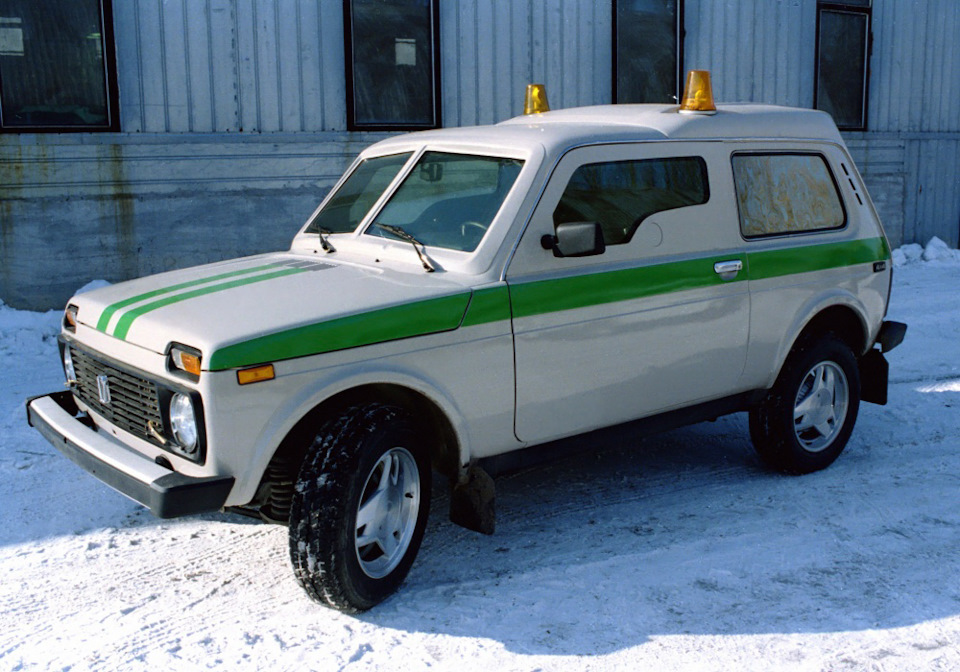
(360, 507)
(806, 419)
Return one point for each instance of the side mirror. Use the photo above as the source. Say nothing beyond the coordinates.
(575, 239)
(431, 172)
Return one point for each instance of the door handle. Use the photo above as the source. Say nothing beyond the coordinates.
(728, 267)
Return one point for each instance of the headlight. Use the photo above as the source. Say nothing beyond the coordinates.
(183, 421)
(68, 366)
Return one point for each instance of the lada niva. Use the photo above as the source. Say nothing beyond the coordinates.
(465, 293)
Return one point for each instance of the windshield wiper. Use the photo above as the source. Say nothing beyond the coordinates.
(403, 235)
(324, 243)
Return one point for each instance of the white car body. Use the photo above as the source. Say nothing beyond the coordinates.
(508, 345)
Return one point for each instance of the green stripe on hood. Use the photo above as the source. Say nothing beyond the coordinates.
(110, 310)
(125, 322)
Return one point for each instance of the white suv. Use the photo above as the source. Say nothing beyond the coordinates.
(463, 294)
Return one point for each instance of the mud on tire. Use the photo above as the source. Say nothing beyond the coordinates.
(360, 507)
(806, 419)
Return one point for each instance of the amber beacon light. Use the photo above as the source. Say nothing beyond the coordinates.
(536, 99)
(698, 94)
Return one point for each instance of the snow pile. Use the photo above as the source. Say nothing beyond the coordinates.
(92, 285)
(936, 250)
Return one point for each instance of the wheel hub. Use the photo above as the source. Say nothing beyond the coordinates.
(387, 513)
(821, 406)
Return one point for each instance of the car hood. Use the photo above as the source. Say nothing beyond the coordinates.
(272, 307)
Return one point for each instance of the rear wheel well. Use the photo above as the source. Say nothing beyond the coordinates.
(841, 321)
(276, 486)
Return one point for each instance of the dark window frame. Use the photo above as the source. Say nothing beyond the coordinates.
(865, 10)
(110, 83)
(352, 124)
(789, 234)
(679, 35)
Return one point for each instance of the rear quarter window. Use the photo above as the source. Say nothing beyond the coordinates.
(780, 194)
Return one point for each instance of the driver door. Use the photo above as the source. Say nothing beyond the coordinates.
(650, 324)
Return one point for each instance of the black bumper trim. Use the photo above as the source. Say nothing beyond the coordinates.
(891, 335)
(168, 496)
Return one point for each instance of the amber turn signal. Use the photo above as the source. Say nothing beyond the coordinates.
(698, 94)
(186, 361)
(256, 374)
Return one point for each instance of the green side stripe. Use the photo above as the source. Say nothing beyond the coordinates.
(110, 310)
(550, 296)
(488, 305)
(388, 324)
(776, 263)
(532, 298)
(123, 325)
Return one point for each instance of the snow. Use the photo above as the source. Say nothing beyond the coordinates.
(673, 552)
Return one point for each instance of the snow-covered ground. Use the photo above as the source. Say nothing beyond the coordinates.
(672, 552)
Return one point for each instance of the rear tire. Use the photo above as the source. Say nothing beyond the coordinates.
(806, 419)
(360, 507)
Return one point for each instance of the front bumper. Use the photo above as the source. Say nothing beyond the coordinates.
(166, 493)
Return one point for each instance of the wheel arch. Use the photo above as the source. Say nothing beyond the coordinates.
(839, 316)
(275, 489)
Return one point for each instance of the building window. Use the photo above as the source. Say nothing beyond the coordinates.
(843, 62)
(647, 50)
(393, 64)
(57, 66)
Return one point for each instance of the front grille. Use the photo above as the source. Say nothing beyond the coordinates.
(134, 401)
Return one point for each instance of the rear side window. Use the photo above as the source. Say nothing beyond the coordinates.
(785, 193)
(621, 194)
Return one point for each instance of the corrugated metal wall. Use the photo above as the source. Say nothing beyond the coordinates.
(916, 66)
(493, 48)
(205, 66)
(201, 66)
(753, 49)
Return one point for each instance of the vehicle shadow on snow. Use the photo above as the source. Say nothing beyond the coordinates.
(685, 533)
(48, 496)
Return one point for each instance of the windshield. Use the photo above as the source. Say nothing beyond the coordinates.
(449, 200)
(357, 194)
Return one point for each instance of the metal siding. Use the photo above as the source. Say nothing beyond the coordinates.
(223, 80)
(915, 66)
(332, 64)
(128, 66)
(933, 203)
(759, 51)
(176, 78)
(491, 49)
(151, 70)
(200, 93)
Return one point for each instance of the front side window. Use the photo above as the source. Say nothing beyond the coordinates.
(57, 72)
(353, 200)
(449, 200)
(392, 59)
(785, 193)
(647, 41)
(621, 194)
(843, 51)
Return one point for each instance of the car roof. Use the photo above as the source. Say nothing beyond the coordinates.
(561, 129)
